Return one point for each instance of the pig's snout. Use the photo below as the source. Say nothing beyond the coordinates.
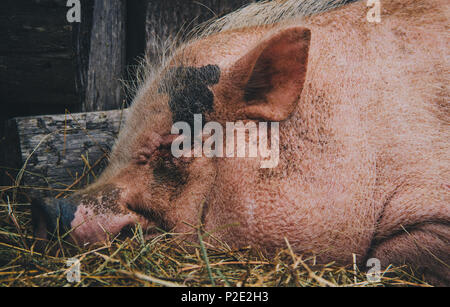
(88, 218)
(52, 216)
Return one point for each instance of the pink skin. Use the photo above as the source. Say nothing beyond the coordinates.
(363, 148)
(91, 227)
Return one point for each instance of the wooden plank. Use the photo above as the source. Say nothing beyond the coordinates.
(37, 67)
(57, 150)
(81, 46)
(107, 59)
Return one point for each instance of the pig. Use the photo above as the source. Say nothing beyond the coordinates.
(363, 115)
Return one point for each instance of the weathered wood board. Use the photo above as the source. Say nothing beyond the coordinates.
(64, 152)
(37, 63)
(107, 56)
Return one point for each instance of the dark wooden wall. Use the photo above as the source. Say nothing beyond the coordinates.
(37, 67)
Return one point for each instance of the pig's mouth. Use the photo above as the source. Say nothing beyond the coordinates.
(76, 223)
(156, 222)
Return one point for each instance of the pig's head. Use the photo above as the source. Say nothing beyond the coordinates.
(250, 75)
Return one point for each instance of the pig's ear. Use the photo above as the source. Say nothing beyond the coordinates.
(272, 75)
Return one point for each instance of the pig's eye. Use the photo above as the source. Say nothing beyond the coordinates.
(145, 155)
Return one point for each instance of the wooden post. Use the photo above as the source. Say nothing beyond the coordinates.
(81, 46)
(107, 58)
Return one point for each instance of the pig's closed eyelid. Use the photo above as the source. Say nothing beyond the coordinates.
(141, 161)
(163, 146)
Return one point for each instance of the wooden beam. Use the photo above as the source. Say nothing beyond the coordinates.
(56, 151)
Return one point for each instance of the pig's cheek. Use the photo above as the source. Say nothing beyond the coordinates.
(134, 186)
(187, 207)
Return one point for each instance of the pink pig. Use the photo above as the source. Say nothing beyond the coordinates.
(363, 112)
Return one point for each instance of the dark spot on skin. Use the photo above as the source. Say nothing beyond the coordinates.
(108, 201)
(167, 172)
(189, 92)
